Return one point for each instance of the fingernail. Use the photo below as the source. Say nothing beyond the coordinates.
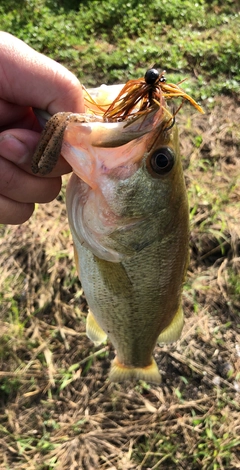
(12, 148)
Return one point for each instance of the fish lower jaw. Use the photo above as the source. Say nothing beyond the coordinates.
(120, 372)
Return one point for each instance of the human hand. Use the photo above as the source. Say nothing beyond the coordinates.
(29, 79)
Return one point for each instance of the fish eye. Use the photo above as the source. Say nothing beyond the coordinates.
(151, 76)
(162, 160)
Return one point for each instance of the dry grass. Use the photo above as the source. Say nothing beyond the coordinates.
(57, 409)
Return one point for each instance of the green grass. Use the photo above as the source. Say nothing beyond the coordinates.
(198, 40)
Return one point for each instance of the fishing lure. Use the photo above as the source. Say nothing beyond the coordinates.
(140, 96)
(137, 97)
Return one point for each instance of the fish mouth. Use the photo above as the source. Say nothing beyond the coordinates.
(93, 144)
(114, 148)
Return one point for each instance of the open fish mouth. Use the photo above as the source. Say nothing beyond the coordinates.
(114, 116)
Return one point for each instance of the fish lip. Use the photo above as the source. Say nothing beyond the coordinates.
(118, 133)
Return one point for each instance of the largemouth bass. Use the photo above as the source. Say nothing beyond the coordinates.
(128, 214)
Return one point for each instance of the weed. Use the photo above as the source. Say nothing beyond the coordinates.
(214, 452)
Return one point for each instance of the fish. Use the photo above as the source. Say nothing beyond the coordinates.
(128, 214)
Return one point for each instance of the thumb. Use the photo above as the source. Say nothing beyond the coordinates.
(41, 82)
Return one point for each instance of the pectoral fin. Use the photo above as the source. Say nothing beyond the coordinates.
(94, 331)
(120, 372)
(173, 331)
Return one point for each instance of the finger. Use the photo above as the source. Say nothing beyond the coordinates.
(18, 146)
(20, 186)
(12, 212)
(50, 86)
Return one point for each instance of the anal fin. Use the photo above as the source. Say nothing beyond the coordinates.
(120, 372)
(173, 331)
(94, 331)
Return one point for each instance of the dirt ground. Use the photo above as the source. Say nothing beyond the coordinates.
(57, 409)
